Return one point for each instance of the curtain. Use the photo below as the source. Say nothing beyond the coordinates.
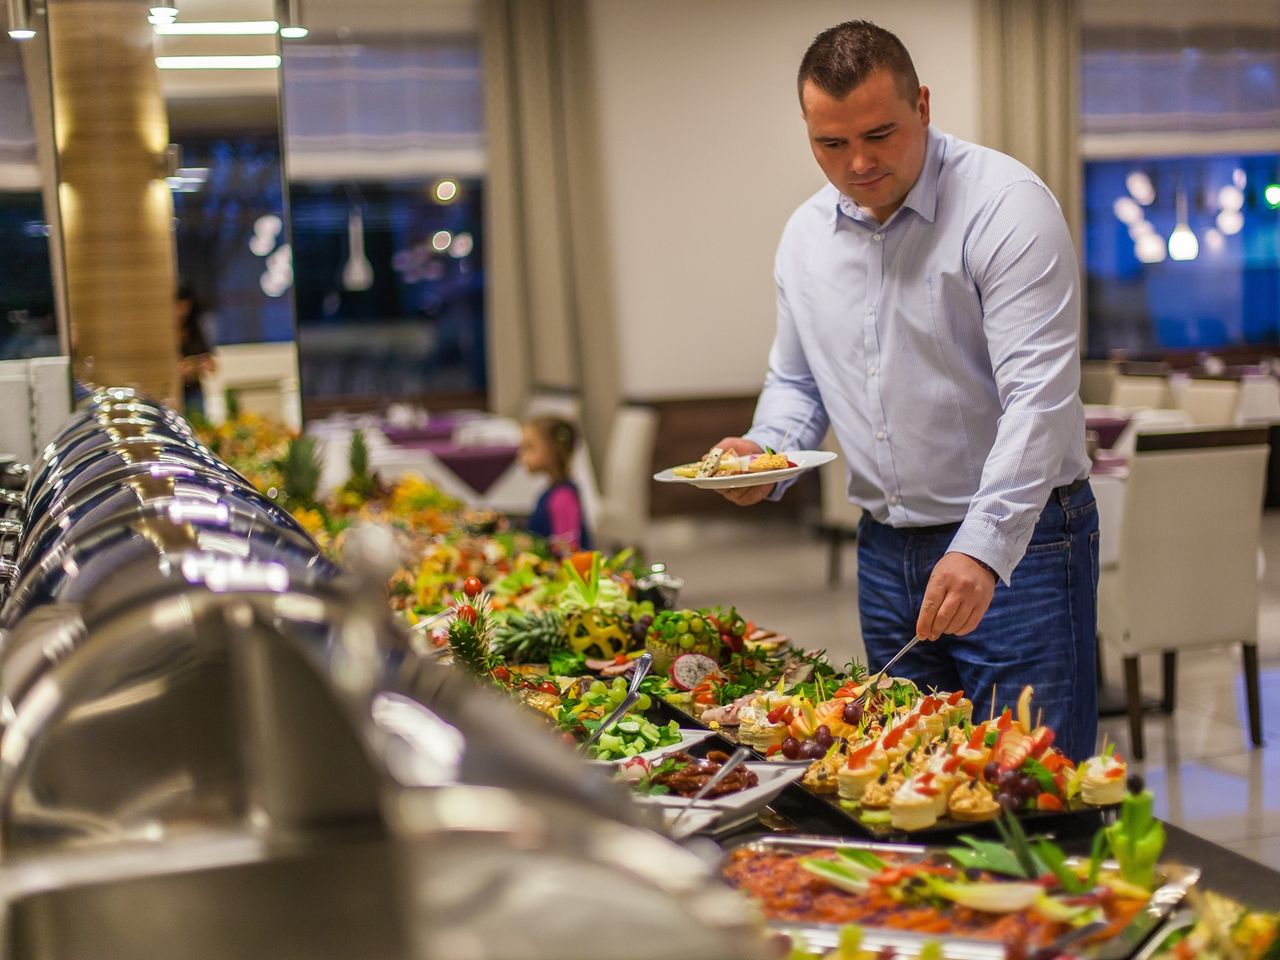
(1029, 51)
(550, 316)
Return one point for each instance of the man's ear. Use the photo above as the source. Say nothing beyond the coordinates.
(922, 106)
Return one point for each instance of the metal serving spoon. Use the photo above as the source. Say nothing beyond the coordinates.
(643, 663)
(739, 756)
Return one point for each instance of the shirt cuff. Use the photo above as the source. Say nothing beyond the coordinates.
(978, 538)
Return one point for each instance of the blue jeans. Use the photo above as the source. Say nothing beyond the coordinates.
(1039, 630)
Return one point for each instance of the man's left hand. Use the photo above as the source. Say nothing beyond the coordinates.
(959, 592)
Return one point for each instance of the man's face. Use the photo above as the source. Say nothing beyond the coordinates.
(871, 143)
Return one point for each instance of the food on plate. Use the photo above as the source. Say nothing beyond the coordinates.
(681, 775)
(861, 767)
(717, 462)
(823, 776)
(972, 802)
(1223, 930)
(769, 461)
(675, 632)
(1102, 780)
(914, 804)
(690, 669)
(1020, 892)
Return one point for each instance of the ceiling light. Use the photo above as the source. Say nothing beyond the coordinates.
(1231, 197)
(1271, 194)
(231, 28)
(1149, 248)
(1214, 241)
(20, 20)
(1140, 187)
(445, 191)
(263, 62)
(1183, 244)
(291, 26)
(1127, 210)
(1230, 222)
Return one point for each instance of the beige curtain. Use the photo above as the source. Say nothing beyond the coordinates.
(550, 316)
(1030, 56)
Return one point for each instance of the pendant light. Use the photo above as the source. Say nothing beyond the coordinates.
(20, 20)
(1183, 244)
(291, 26)
(357, 273)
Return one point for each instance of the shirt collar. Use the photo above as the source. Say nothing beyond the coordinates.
(923, 195)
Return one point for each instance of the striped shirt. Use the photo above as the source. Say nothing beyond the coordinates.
(941, 346)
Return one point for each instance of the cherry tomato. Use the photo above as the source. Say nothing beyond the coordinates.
(546, 686)
(1047, 801)
(467, 613)
(501, 674)
(472, 586)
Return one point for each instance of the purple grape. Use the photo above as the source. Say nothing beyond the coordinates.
(1008, 801)
(1028, 786)
(852, 714)
(1008, 780)
(991, 771)
(823, 736)
(790, 748)
(812, 750)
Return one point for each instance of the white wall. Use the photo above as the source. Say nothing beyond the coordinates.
(704, 157)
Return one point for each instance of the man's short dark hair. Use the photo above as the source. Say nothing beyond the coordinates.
(843, 56)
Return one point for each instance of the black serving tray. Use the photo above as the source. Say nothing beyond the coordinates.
(823, 813)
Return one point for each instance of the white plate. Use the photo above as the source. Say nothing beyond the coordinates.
(737, 806)
(687, 739)
(803, 460)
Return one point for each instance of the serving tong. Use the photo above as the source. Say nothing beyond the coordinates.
(871, 684)
(739, 757)
(643, 663)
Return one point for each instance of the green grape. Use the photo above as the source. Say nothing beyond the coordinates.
(669, 631)
(683, 628)
(686, 641)
(597, 687)
(698, 625)
(619, 684)
(643, 702)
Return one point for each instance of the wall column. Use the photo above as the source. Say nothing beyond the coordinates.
(111, 132)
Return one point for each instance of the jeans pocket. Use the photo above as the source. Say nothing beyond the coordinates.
(1053, 546)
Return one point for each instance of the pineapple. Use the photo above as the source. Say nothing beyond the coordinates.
(361, 486)
(530, 637)
(300, 471)
(471, 635)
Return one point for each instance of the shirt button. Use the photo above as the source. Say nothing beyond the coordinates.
(895, 500)
(872, 370)
(877, 237)
(880, 435)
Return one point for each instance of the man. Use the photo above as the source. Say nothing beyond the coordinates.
(928, 311)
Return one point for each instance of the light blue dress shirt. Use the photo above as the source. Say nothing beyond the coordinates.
(941, 346)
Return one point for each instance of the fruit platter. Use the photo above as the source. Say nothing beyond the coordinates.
(1011, 897)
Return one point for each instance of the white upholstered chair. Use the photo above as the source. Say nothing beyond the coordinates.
(1187, 574)
(1210, 403)
(1149, 421)
(623, 516)
(1128, 390)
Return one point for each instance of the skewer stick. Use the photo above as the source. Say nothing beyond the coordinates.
(993, 704)
(1039, 717)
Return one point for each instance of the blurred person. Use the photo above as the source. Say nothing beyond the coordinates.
(195, 356)
(546, 447)
(928, 310)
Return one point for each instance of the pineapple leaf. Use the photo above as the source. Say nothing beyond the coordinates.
(301, 471)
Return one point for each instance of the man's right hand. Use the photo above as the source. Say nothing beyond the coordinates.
(744, 496)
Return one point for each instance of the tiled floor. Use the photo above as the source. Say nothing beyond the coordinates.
(1199, 762)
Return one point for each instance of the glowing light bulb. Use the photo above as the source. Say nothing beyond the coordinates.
(1183, 244)
(1127, 210)
(1271, 194)
(1149, 248)
(1140, 187)
(1230, 222)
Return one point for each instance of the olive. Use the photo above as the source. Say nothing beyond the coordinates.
(1135, 784)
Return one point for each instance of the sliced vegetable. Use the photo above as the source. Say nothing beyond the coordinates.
(989, 897)
(842, 875)
(1137, 838)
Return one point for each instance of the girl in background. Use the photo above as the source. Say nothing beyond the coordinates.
(546, 446)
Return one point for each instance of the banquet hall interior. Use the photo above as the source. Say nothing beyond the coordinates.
(356, 250)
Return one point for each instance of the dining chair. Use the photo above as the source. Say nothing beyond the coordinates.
(1148, 421)
(1187, 575)
(1259, 398)
(1097, 377)
(622, 518)
(840, 518)
(1210, 403)
(1130, 390)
